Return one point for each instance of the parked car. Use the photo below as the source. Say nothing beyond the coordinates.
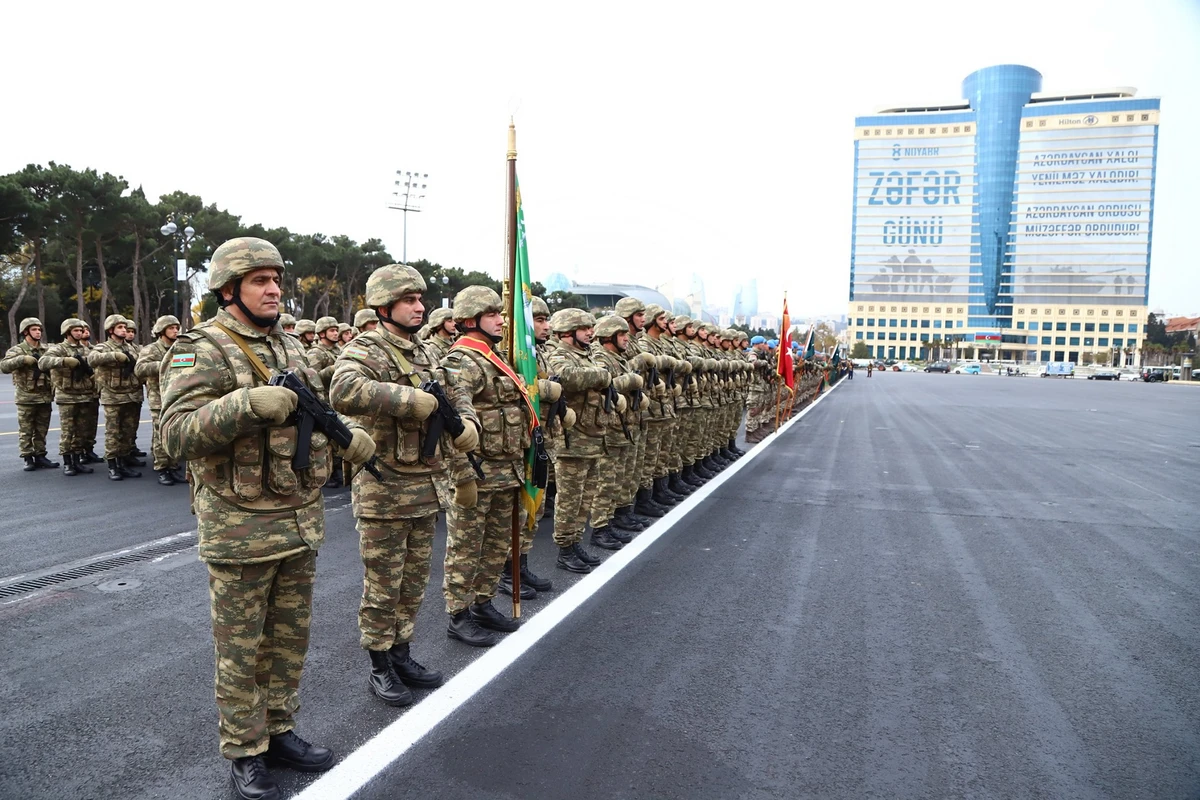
(1156, 374)
(967, 369)
(1105, 375)
(938, 366)
(906, 367)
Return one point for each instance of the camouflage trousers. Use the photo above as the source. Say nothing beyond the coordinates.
(573, 503)
(120, 428)
(685, 435)
(75, 420)
(260, 617)
(89, 425)
(614, 479)
(161, 459)
(639, 463)
(395, 555)
(756, 408)
(478, 540)
(658, 444)
(33, 421)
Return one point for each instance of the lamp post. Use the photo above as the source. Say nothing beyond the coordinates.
(408, 194)
(183, 238)
(441, 277)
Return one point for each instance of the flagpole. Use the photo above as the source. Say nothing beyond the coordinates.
(508, 343)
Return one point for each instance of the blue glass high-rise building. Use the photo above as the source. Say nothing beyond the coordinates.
(1013, 220)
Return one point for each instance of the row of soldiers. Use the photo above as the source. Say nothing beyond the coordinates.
(80, 376)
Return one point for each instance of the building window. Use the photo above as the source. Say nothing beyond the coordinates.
(859, 322)
(892, 323)
(1045, 340)
(1104, 327)
(903, 352)
(1060, 326)
(937, 323)
(1089, 341)
(1032, 340)
(1060, 340)
(1033, 326)
(1075, 326)
(1118, 342)
(892, 336)
(1089, 327)
(924, 323)
(870, 334)
(1103, 341)
(960, 324)
(1132, 328)
(1021, 325)
(903, 336)
(870, 322)
(1118, 327)
(924, 337)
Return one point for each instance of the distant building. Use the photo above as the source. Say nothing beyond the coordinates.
(1183, 325)
(767, 321)
(557, 282)
(606, 295)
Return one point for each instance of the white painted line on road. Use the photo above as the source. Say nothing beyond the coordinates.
(377, 753)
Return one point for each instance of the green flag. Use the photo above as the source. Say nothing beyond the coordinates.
(524, 354)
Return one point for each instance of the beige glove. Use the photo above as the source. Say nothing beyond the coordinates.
(664, 363)
(423, 404)
(549, 391)
(468, 440)
(70, 362)
(676, 390)
(123, 357)
(603, 379)
(644, 361)
(629, 382)
(660, 388)
(622, 404)
(272, 404)
(466, 495)
(361, 448)
(568, 421)
(683, 367)
(28, 361)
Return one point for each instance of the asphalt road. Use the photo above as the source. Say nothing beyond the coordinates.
(931, 586)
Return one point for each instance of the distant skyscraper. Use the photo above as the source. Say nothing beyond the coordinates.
(738, 308)
(750, 297)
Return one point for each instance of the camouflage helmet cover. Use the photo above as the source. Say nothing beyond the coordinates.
(286, 319)
(572, 319)
(730, 334)
(540, 309)
(364, 316)
(239, 257)
(475, 300)
(683, 320)
(27, 323)
(162, 323)
(628, 306)
(609, 326)
(391, 282)
(438, 317)
(70, 322)
(343, 327)
(130, 325)
(325, 323)
(653, 312)
(306, 326)
(112, 321)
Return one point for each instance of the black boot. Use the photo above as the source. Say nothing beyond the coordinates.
(625, 521)
(115, 473)
(289, 750)
(80, 461)
(136, 452)
(41, 462)
(251, 780)
(335, 475)
(505, 585)
(733, 448)
(410, 672)
(528, 578)
(728, 455)
(663, 495)
(384, 682)
(646, 505)
(464, 628)
(602, 538)
(713, 464)
(622, 536)
(488, 616)
(585, 556)
(178, 473)
(125, 463)
(130, 460)
(678, 486)
(569, 560)
(165, 478)
(691, 477)
(69, 465)
(90, 457)
(29, 465)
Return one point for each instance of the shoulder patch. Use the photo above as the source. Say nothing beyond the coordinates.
(355, 352)
(181, 360)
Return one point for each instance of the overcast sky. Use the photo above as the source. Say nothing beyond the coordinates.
(655, 139)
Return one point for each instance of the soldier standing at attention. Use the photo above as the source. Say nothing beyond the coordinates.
(131, 338)
(33, 394)
(365, 320)
(617, 478)
(121, 395)
(306, 332)
(321, 358)
(345, 334)
(662, 412)
(260, 521)
(165, 331)
(288, 323)
(377, 381)
(479, 523)
(91, 421)
(577, 465)
(442, 330)
(74, 391)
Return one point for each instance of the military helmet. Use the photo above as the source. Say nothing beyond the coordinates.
(27, 323)
(162, 323)
(130, 325)
(112, 321)
(628, 306)
(566, 320)
(475, 300)
(306, 326)
(325, 323)
(71, 322)
(438, 317)
(389, 283)
(683, 320)
(286, 319)
(343, 327)
(364, 316)
(653, 312)
(730, 334)
(612, 324)
(540, 309)
(239, 257)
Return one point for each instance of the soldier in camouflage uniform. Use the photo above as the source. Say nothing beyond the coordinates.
(131, 338)
(756, 397)
(165, 331)
(345, 334)
(365, 320)
(321, 358)
(121, 395)
(33, 394)
(90, 423)
(260, 521)
(75, 393)
(617, 476)
(441, 330)
(668, 489)
(288, 323)
(698, 395)
(479, 524)
(377, 381)
(577, 464)
(633, 311)
(306, 332)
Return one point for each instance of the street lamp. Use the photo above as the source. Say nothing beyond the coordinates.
(408, 194)
(183, 239)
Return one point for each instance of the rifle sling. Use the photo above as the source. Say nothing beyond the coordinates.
(255, 361)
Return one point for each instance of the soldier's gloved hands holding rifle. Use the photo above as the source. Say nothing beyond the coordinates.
(121, 358)
(70, 363)
(272, 404)
(361, 449)
(466, 495)
(568, 419)
(629, 382)
(468, 440)
(28, 361)
(549, 391)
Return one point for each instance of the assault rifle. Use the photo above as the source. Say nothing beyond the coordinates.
(83, 371)
(559, 409)
(610, 404)
(37, 371)
(671, 388)
(447, 419)
(312, 414)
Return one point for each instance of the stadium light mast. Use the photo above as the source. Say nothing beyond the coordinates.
(408, 194)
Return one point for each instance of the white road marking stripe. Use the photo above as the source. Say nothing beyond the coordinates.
(377, 753)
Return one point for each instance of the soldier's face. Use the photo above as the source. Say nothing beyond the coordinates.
(308, 337)
(330, 335)
(621, 340)
(689, 331)
(541, 328)
(660, 322)
(671, 329)
(289, 329)
(638, 321)
(408, 311)
(87, 335)
(34, 332)
(260, 293)
(371, 325)
(118, 331)
(450, 327)
(584, 336)
(347, 336)
(492, 323)
(78, 334)
(130, 335)
(171, 332)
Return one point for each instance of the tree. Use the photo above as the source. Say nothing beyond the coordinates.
(860, 350)
(766, 333)
(823, 337)
(559, 300)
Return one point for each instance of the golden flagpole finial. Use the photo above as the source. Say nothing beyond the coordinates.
(512, 140)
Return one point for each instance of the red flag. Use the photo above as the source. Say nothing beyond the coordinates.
(783, 366)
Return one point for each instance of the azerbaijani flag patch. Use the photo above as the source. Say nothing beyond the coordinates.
(183, 360)
(355, 352)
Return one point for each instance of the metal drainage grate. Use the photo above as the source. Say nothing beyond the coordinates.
(96, 567)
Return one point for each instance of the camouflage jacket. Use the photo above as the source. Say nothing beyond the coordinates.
(31, 382)
(500, 413)
(440, 345)
(71, 384)
(699, 392)
(147, 368)
(251, 505)
(321, 359)
(661, 397)
(552, 428)
(614, 433)
(583, 382)
(115, 378)
(369, 386)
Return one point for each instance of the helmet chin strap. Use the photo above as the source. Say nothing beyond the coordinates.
(261, 322)
(493, 338)
(409, 329)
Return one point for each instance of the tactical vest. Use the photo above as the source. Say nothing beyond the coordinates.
(401, 441)
(32, 385)
(76, 385)
(500, 410)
